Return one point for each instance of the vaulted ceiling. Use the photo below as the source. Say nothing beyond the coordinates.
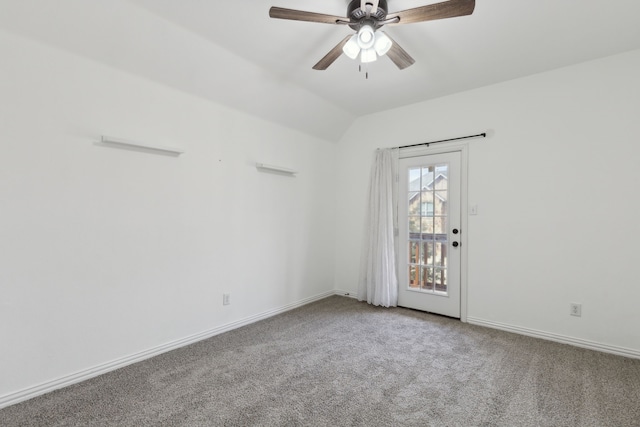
(232, 53)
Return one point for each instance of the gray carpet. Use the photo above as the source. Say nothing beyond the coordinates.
(338, 362)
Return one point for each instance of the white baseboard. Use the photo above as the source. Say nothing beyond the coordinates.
(85, 374)
(578, 342)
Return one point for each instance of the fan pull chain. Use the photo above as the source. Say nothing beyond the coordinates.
(366, 71)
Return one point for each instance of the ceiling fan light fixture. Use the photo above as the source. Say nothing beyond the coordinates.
(365, 17)
(382, 43)
(366, 37)
(351, 48)
(368, 55)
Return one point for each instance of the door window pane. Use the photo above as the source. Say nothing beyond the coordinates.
(414, 179)
(427, 279)
(414, 250)
(427, 253)
(427, 177)
(414, 280)
(414, 224)
(441, 175)
(440, 203)
(440, 254)
(427, 227)
(414, 204)
(440, 279)
(440, 226)
(426, 208)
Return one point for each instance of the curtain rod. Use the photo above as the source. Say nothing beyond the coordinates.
(483, 135)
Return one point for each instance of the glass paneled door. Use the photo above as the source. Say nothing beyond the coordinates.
(429, 233)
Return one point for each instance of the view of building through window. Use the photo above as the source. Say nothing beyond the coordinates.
(427, 199)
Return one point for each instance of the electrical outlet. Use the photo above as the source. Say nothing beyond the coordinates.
(226, 299)
(575, 309)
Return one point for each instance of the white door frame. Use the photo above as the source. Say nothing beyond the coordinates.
(463, 149)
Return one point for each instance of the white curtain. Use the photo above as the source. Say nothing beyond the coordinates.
(378, 284)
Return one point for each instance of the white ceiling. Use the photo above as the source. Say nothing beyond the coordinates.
(231, 51)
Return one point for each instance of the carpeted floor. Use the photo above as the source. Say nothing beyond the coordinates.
(338, 362)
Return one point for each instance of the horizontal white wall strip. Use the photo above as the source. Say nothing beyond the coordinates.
(273, 168)
(85, 374)
(591, 345)
(123, 143)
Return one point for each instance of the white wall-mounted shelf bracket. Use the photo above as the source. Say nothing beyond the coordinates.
(138, 146)
(277, 169)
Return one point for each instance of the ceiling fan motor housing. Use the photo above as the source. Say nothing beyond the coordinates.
(358, 17)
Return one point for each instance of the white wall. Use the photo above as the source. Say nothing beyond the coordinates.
(556, 188)
(105, 253)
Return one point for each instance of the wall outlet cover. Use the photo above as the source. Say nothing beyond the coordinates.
(575, 309)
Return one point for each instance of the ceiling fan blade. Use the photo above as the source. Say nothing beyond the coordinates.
(301, 15)
(431, 12)
(398, 55)
(330, 57)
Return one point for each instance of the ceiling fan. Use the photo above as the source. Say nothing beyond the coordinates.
(367, 17)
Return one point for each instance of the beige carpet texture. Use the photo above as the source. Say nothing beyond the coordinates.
(339, 362)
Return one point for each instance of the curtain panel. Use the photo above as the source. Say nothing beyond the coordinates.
(378, 282)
